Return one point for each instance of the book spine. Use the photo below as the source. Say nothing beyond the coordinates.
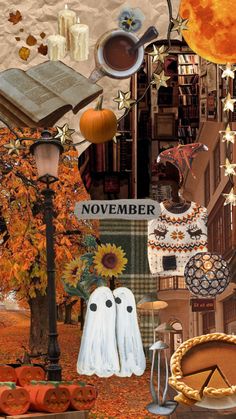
(114, 156)
(118, 156)
(129, 154)
(99, 158)
(123, 154)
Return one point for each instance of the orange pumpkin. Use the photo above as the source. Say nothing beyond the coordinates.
(82, 397)
(98, 125)
(13, 400)
(7, 374)
(48, 397)
(27, 373)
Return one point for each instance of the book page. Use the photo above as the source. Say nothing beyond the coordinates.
(29, 96)
(65, 82)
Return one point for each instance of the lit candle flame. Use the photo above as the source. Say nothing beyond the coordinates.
(66, 6)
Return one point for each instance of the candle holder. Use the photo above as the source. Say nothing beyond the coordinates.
(159, 405)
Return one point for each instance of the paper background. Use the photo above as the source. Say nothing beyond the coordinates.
(101, 16)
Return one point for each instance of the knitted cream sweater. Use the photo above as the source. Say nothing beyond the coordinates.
(182, 235)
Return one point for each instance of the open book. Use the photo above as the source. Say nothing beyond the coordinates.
(41, 95)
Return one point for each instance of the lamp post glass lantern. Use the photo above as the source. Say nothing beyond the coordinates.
(151, 302)
(47, 151)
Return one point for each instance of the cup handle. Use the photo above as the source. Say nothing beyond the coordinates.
(96, 75)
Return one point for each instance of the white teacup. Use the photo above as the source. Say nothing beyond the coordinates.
(114, 56)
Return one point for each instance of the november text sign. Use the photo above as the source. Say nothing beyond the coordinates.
(129, 209)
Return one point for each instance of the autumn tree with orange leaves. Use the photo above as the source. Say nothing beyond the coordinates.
(22, 229)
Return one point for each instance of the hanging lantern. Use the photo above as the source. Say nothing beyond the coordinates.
(207, 274)
(211, 28)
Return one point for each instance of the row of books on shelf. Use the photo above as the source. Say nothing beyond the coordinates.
(188, 100)
(189, 112)
(187, 132)
(188, 79)
(111, 156)
(188, 69)
(188, 59)
(189, 90)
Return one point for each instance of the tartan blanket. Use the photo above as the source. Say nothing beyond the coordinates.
(131, 235)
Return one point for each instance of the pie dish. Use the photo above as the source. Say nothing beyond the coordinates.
(204, 371)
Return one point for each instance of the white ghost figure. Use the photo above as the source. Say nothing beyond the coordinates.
(130, 348)
(98, 351)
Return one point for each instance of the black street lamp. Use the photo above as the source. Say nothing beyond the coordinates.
(47, 151)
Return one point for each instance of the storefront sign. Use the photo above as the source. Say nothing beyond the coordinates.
(126, 209)
(203, 304)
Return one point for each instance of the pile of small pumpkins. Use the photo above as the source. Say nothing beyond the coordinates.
(24, 388)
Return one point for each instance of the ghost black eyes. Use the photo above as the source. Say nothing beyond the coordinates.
(128, 308)
(93, 306)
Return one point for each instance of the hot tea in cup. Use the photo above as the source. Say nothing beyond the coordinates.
(118, 53)
(114, 56)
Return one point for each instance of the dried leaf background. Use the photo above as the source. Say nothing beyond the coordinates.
(41, 16)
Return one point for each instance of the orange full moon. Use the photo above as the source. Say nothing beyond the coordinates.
(211, 28)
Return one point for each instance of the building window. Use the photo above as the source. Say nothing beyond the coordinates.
(208, 322)
(207, 185)
(172, 283)
(217, 169)
(229, 311)
(229, 151)
(220, 234)
(176, 338)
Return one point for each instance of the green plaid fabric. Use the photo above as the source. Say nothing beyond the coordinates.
(131, 235)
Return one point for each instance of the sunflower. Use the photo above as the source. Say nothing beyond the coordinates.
(73, 271)
(109, 260)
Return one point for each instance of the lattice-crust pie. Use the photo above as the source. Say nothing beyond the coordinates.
(204, 366)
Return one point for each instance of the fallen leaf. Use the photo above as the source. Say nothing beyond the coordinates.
(17, 38)
(31, 40)
(43, 34)
(24, 53)
(43, 49)
(15, 17)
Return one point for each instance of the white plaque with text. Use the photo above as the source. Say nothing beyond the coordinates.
(126, 209)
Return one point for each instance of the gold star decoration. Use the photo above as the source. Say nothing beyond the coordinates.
(228, 103)
(228, 135)
(230, 198)
(228, 71)
(124, 100)
(229, 168)
(158, 54)
(65, 133)
(160, 80)
(179, 24)
(14, 147)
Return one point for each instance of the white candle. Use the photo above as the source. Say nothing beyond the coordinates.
(79, 41)
(56, 47)
(66, 18)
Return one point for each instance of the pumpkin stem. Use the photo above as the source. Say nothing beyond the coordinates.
(99, 103)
